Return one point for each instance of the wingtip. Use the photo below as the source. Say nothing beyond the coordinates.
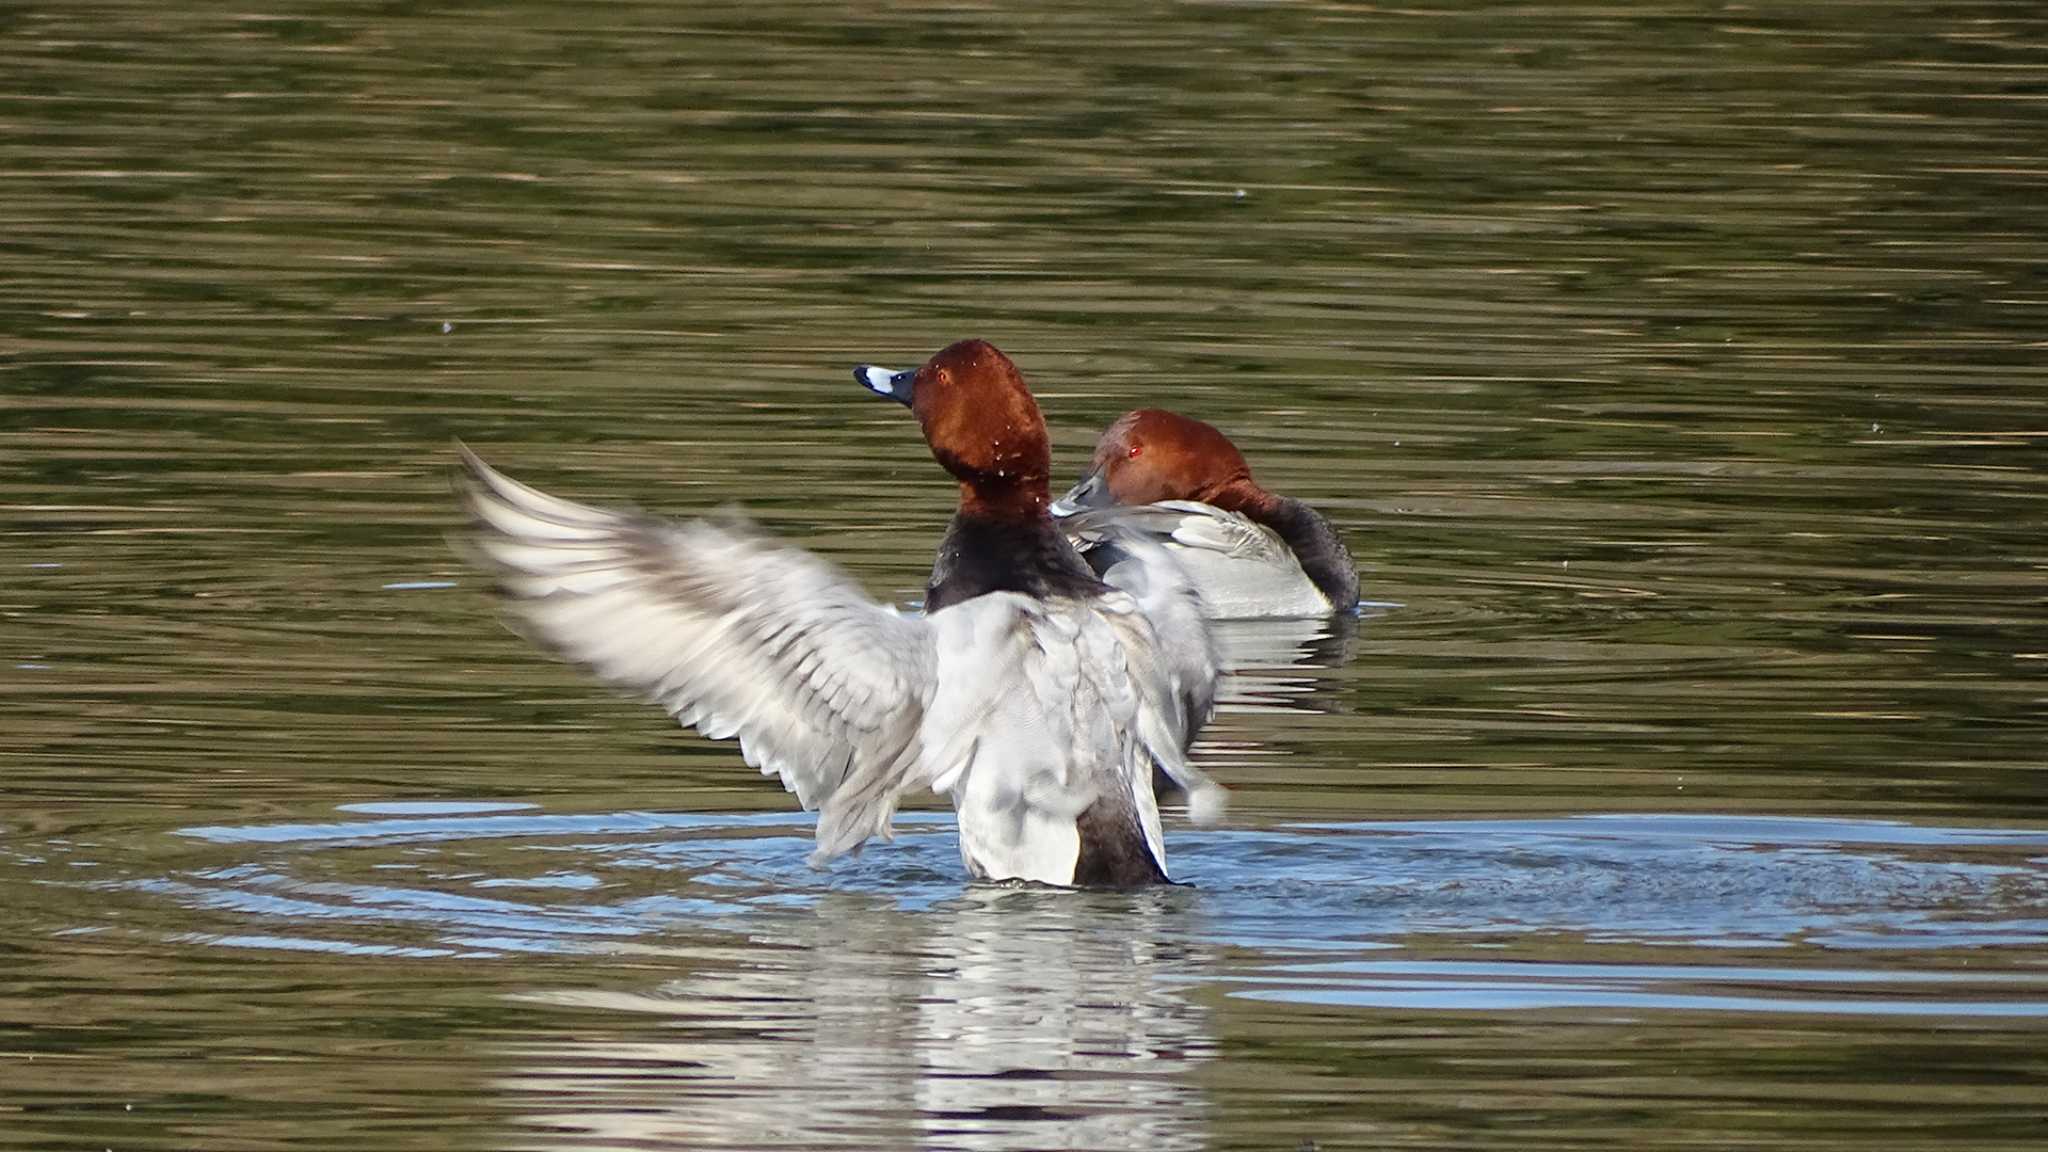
(469, 474)
(472, 464)
(1207, 804)
(479, 484)
(466, 482)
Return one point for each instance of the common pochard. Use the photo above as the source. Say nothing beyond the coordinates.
(1036, 696)
(1181, 483)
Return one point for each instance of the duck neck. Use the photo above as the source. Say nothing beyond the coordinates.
(1022, 502)
(1241, 495)
(1006, 548)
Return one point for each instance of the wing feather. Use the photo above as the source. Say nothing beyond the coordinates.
(1188, 523)
(1169, 657)
(1241, 567)
(733, 634)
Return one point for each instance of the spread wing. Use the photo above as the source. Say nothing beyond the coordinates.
(734, 634)
(1170, 651)
(1124, 545)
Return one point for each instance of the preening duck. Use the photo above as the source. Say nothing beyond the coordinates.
(1182, 484)
(1033, 694)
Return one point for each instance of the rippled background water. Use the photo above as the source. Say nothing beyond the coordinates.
(1675, 372)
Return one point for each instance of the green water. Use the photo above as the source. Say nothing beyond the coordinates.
(1676, 374)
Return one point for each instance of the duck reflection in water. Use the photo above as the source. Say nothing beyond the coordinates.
(1004, 1019)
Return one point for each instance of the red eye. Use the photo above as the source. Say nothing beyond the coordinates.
(1133, 453)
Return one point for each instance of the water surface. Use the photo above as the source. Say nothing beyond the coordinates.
(1675, 373)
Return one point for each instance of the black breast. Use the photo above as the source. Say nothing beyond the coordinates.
(979, 556)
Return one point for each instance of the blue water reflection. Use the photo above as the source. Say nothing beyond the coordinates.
(1339, 895)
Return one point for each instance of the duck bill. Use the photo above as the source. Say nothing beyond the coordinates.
(897, 386)
(1091, 492)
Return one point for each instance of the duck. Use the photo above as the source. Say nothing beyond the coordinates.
(1036, 696)
(1182, 484)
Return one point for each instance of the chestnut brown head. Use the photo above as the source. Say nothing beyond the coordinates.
(981, 424)
(1151, 455)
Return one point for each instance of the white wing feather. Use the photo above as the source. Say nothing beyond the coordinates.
(1172, 661)
(735, 635)
(1190, 524)
(1243, 569)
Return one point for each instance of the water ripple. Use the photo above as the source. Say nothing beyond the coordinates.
(1318, 903)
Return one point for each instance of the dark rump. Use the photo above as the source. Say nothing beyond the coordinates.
(1113, 849)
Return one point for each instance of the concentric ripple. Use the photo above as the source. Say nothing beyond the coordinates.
(1813, 915)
